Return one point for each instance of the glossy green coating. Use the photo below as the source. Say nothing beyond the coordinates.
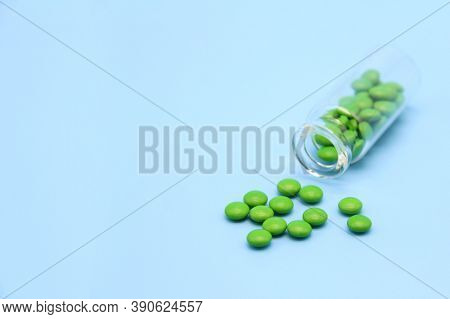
(370, 115)
(350, 206)
(345, 111)
(357, 148)
(288, 187)
(281, 204)
(372, 75)
(363, 103)
(237, 210)
(352, 109)
(352, 124)
(346, 101)
(328, 154)
(349, 137)
(275, 225)
(385, 107)
(365, 130)
(330, 114)
(311, 194)
(299, 229)
(342, 119)
(315, 216)
(383, 92)
(334, 128)
(255, 198)
(259, 238)
(361, 85)
(260, 213)
(359, 224)
(362, 94)
(394, 85)
(322, 140)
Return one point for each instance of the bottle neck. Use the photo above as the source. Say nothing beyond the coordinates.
(305, 148)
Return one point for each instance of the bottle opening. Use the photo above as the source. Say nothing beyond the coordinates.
(320, 152)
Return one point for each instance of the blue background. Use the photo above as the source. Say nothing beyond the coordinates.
(69, 160)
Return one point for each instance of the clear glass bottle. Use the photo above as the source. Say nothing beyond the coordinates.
(355, 113)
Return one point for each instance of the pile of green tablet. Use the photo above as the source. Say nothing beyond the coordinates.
(254, 206)
(360, 116)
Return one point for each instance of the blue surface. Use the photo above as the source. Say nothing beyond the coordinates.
(69, 136)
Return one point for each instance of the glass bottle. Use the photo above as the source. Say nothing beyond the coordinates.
(359, 109)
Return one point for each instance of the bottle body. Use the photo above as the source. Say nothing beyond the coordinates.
(355, 114)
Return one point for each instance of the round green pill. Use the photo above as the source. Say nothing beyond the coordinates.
(385, 107)
(365, 130)
(299, 229)
(383, 92)
(394, 85)
(362, 94)
(343, 120)
(281, 204)
(371, 115)
(237, 210)
(359, 224)
(330, 114)
(352, 124)
(372, 75)
(288, 187)
(363, 103)
(350, 206)
(328, 154)
(361, 85)
(315, 216)
(345, 112)
(322, 140)
(346, 101)
(259, 238)
(311, 194)
(349, 137)
(275, 225)
(255, 198)
(260, 213)
(335, 129)
(352, 109)
(357, 148)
